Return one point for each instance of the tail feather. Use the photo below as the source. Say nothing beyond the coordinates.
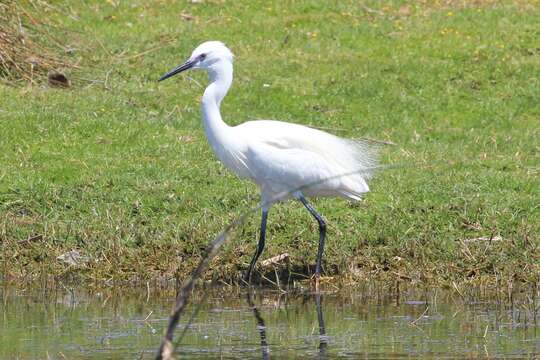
(365, 156)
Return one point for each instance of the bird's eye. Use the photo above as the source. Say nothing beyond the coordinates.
(202, 56)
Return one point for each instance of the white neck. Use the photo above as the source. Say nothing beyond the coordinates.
(220, 75)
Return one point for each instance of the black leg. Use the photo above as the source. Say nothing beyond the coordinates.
(260, 246)
(322, 233)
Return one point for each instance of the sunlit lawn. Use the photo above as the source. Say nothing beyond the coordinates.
(118, 168)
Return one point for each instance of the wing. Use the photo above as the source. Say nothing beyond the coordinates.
(280, 170)
(345, 155)
(284, 157)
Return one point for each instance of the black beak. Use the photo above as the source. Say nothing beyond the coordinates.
(185, 66)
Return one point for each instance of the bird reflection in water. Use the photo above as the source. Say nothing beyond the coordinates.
(261, 326)
(323, 339)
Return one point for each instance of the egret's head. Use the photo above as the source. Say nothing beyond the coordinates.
(208, 56)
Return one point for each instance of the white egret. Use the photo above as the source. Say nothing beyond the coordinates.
(278, 156)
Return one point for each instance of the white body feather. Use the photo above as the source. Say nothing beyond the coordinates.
(281, 157)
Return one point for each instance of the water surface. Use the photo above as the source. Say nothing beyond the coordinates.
(230, 323)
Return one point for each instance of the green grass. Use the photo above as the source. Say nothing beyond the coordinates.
(118, 166)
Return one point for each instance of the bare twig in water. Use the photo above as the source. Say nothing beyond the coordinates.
(166, 349)
(415, 321)
(457, 289)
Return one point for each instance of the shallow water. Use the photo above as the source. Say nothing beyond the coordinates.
(365, 323)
